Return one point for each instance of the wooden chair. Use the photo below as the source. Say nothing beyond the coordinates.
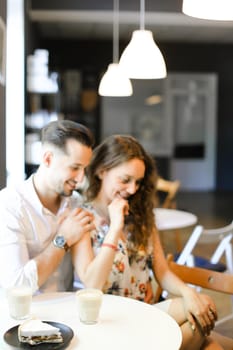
(196, 276)
(169, 189)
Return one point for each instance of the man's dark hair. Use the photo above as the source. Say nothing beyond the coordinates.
(58, 132)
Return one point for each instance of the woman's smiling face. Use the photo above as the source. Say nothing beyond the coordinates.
(123, 180)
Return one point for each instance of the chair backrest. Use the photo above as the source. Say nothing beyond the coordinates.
(170, 189)
(216, 234)
(212, 280)
(221, 237)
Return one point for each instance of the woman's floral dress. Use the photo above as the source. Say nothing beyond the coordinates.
(130, 274)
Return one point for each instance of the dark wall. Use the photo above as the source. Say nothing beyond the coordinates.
(127, 5)
(2, 115)
(179, 58)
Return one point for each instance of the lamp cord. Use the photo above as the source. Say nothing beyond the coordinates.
(115, 31)
(142, 14)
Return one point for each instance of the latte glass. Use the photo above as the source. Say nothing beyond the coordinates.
(19, 301)
(89, 301)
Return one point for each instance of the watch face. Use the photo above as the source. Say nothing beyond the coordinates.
(60, 241)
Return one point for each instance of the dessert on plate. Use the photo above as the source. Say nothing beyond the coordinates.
(35, 331)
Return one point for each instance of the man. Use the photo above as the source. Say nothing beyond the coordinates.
(40, 219)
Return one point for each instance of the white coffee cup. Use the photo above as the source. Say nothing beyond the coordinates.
(89, 301)
(19, 301)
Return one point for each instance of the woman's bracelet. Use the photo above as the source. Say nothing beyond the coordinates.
(109, 245)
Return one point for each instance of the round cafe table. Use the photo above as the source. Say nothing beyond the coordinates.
(123, 324)
(174, 220)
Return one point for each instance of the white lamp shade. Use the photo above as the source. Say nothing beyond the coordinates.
(115, 82)
(142, 58)
(209, 9)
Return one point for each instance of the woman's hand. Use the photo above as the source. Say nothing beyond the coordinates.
(201, 310)
(117, 209)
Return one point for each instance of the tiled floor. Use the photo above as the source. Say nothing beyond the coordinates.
(213, 210)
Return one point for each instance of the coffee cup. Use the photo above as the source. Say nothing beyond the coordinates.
(19, 301)
(89, 301)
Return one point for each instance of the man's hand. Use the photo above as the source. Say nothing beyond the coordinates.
(75, 224)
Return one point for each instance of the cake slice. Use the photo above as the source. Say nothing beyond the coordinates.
(35, 332)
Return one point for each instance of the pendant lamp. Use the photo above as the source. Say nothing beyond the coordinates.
(142, 58)
(115, 82)
(209, 9)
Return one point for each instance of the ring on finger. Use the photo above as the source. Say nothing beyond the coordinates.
(212, 312)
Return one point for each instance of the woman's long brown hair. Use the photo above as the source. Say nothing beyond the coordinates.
(112, 152)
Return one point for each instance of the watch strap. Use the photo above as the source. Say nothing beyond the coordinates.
(66, 247)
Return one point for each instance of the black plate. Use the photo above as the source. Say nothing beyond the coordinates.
(11, 338)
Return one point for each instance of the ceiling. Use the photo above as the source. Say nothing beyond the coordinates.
(69, 19)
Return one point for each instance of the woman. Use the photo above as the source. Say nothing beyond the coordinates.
(125, 244)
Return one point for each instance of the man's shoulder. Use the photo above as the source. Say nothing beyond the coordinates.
(14, 192)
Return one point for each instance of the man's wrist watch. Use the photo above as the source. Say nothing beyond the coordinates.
(60, 242)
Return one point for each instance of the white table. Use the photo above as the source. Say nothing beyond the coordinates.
(124, 323)
(174, 220)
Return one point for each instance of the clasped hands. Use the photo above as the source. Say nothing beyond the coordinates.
(201, 311)
(74, 224)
